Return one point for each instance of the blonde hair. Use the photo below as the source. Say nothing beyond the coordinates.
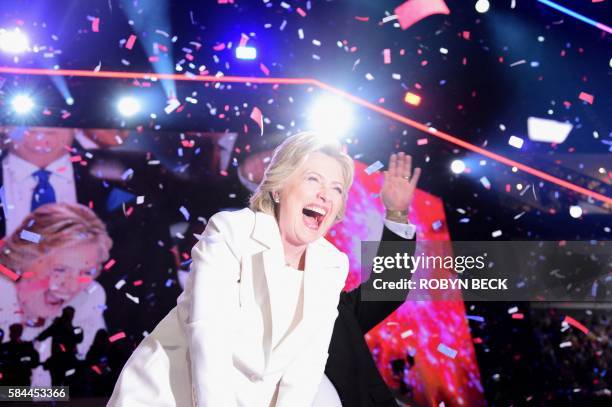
(288, 157)
(58, 225)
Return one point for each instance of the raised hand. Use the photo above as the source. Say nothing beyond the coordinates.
(399, 182)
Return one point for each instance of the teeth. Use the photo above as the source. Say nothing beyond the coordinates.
(318, 210)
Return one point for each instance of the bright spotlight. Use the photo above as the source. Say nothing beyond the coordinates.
(69, 101)
(13, 42)
(482, 6)
(246, 52)
(331, 116)
(575, 211)
(22, 104)
(128, 106)
(457, 166)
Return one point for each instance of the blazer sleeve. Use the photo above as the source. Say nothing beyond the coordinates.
(300, 382)
(371, 313)
(207, 310)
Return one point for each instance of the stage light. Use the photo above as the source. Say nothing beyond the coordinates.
(13, 42)
(69, 101)
(457, 166)
(128, 106)
(482, 6)
(575, 211)
(246, 52)
(22, 104)
(412, 99)
(331, 116)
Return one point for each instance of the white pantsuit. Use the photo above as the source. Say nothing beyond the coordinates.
(219, 347)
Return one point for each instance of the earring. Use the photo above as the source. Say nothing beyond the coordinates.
(276, 198)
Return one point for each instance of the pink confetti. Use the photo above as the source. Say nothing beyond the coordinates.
(257, 117)
(75, 158)
(422, 142)
(387, 55)
(465, 35)
(243, 40)
(109, 264)
(8, 272)
(95, 25)
(116, 337)
(586, 97)
(130, 42)
(413, 11)
(219, 47)
(301, 12)
(576, 324)
(96, 369)
(264, 69)
(362, 18)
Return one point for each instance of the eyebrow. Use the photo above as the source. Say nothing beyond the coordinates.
(322, 176)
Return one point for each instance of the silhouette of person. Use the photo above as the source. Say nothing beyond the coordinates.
(19, 358)
(63, 362)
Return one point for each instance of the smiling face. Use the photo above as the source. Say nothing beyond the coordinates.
(40, 145)
(310, 200)
(53, 280)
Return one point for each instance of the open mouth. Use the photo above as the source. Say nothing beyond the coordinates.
(313, 216)
(53, 299)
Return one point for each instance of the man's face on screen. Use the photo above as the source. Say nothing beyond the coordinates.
(310, 200)
(40, 144)
(53, 280)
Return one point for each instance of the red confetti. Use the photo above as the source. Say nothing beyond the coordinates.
(576, 324)
(243, 40)
(362, 18)
(116, 337)
(586, 97)
(75, 158)
(518, 315)
(95, 25)
(109, 264)
(413, 11)
(219, 47)
(130, 42)
(96, 369)
(137, 283)
(257, 117)
(264, 69)
(8, 272)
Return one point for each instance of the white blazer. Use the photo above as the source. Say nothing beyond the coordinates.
(218, 346)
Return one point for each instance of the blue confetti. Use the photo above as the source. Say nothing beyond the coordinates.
(374, 167)
(30, 236)
(450, 352)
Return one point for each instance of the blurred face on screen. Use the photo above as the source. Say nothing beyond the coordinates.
(310, 200)
(40, 145)
(53, 280)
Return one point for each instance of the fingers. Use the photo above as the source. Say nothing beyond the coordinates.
(392, 165)
(415, 177)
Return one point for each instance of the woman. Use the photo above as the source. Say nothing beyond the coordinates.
(253, 325)
(58, 252)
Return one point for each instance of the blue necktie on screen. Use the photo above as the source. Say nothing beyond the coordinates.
(43, 191)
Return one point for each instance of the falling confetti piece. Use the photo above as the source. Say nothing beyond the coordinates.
(374, 167)
(257, 117)
(485, 182)
(130, 42)
(586, 97)
(264, 69)
(30, 236)
(119, 284)
(496, 233)
(548, 131)
(9, 273)
(116, 337)
(413, 11)
(109, 264)
(406, 334)
(184, 212)
(450, 352)
(576, 324)
(133, 298)
(95, 25)
(516, 142)
(387, 56)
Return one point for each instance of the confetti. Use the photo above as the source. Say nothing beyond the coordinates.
(413, 11)
(184, 212)
(30, 236)
(374, 167)
(116, 337)
(387, 56)
(9, 273)
(130, 42)
(257, 117)
(576, 324)
(516, 142)
(450, 352)
(485, 182)
(586, 97)
(95, 25)
(548, 131)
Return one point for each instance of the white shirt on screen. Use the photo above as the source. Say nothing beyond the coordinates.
(19, 183)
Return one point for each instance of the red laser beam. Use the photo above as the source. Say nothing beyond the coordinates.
(308, 81)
